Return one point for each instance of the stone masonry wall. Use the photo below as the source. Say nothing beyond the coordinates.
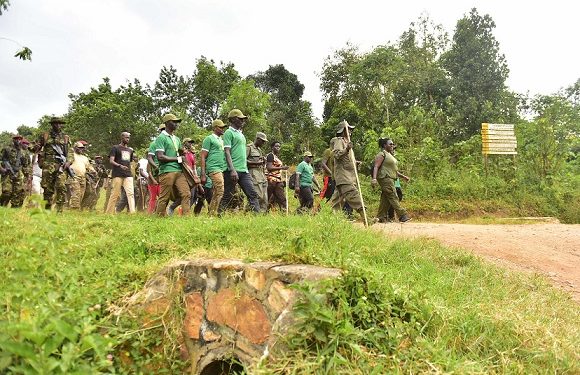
(231, 309)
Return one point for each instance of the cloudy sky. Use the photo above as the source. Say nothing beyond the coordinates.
(76, 43)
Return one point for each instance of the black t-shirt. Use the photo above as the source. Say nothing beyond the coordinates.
(123, 155)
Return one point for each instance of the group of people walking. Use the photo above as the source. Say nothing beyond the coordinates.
(228, 167)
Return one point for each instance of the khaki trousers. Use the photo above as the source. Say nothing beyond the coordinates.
(168, 182)
(389, 199)
(217, 179)
(116, 184)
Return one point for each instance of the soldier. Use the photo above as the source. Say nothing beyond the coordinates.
(344, 173)
(102, 175)
(27, 165)
(14, 161)
(256, 162)
(82, 167)
(56, 160)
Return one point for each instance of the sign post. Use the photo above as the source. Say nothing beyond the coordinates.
(497, 139)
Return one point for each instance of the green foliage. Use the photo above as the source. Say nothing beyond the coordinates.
(211, 87)
(478, 73)
(100, 116)
(24, 54)
(252, 102)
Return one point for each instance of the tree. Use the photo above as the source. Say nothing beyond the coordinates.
(172, 92)
(210, 88)
(478, 73)
(289, 118)
(252, 102)
(547, 142)
(100, 115)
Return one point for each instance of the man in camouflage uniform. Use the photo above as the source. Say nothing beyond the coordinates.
(56, 159)
(256, 163)
(344, 173)
(14, 161)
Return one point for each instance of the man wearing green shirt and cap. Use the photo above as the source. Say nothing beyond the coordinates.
(236, 160)
(304, 180)
(167, 149)
(213, 164)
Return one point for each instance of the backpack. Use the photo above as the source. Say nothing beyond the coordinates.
(292, 181)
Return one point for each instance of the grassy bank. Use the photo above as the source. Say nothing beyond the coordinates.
(407, 306)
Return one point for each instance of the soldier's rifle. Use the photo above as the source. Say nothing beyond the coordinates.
(8, 168)
(62, 160)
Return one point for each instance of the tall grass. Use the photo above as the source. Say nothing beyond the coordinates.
(403, 306)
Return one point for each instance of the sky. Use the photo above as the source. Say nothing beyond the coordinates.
(76, 43)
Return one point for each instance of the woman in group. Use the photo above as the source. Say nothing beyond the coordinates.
(385, 173)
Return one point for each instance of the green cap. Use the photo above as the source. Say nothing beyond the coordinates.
(170, 117)
(187, 140)
(308, 153)
(57, 120)
(262, 136)
(236, 113)
(218, 123)
(341, 125)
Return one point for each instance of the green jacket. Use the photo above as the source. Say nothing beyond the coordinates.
(344, 173)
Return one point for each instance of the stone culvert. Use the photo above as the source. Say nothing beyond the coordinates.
(232, 310)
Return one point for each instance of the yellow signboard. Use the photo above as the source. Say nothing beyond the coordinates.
(498, 139)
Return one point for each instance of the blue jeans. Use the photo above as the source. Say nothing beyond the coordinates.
(247, 186)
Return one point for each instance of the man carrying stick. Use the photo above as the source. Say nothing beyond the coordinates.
(345, 174)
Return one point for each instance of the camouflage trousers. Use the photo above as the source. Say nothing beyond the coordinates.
(77, 187)
(12, 190)
(53, 182)
(91, 196)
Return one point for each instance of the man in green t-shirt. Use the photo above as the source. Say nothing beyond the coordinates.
(304, 180)
(213, 164)
(236, 160)
(167, 149)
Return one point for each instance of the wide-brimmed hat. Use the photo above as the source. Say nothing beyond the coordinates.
(262, 136)
(80, 144)
(187, 140)
(161, 127)
(341, 125)
(308, 153)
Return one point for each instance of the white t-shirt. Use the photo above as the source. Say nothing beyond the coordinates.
(143, 168)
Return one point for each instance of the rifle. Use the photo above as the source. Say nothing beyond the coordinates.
(8, 168)
(62, 160)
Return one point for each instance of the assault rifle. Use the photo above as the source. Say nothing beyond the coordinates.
(62, 160)
(8, 168)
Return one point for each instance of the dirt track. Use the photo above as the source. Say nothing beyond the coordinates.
(549, 249)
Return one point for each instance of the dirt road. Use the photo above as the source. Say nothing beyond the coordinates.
(549, 249)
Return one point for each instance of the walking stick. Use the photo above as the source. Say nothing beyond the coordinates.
(351, 154)
(286, 190)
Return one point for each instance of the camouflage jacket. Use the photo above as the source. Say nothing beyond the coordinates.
(16, 158)
(47, 140)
